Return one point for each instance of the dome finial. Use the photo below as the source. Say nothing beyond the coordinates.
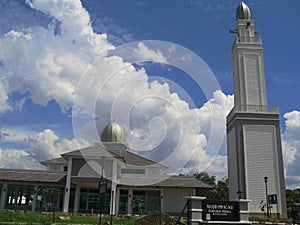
(113, 132)
(243, 12)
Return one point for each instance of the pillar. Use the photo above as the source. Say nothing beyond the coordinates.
(67, 187)
(35, 191)
(244, 210)
(87, 200)
(77, 199)
(21, 195)
(194, 210)
(130, 196)
(117, 201)
(113, 188)
(162, 200)
(3, 195)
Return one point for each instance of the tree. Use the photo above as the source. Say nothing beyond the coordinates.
(219, 190)
(222, 189)
(204, 177)
(137, 204)
(292, 197)
(49, 195)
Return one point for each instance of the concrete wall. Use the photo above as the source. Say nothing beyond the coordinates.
(260, 161)
(173, 199)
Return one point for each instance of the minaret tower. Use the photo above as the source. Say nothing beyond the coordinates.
(253, 132)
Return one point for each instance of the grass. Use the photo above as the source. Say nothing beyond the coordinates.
(33, 218)
(262, 220)
(17, 217)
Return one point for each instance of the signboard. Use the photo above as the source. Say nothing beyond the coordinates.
(272, 199)
(296, 213)
(220, 211)
(102, 186)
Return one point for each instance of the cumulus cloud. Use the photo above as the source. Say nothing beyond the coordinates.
(144, 52)
(291, 148)
(210, 157)
(68, 62)
(48, 63)
(32, 147)
(18, 159)
(3, 99)
(292, 120)
(47, 145)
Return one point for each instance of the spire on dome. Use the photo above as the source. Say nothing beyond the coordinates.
(243, 12)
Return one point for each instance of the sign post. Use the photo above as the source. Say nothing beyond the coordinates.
(272, 200)
(221, 211)
(102, 190)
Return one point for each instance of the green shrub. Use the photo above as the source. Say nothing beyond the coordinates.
(60, 218)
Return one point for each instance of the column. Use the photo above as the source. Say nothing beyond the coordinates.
(87, 200)
(194, 210)
(113, 187)
(3, 195)
(117, 201)
(68, 187)
(162, 200)
(244, 210)
(35, 191)
(77, 199)
(130, 196)
(21, 195)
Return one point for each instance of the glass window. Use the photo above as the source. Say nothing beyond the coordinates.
(138, 202)
(123, 204)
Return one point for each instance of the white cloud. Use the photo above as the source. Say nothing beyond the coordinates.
(56, 65)
(47, 64)
(32, 147)
(291, 148)
(293, 119)
(3, 99)
(215, 110)
(53, 62)
(209, 156)
(15, 134)
(18, 159)
(148, 54)
(47, 145)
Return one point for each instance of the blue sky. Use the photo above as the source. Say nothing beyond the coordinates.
(203, 27)
(48, 49)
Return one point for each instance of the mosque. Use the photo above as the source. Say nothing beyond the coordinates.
(125, 183)
(106, 173)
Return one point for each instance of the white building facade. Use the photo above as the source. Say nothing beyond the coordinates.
(71, 183)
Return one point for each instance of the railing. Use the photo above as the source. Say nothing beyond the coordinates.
(253, 109)
(247, 40)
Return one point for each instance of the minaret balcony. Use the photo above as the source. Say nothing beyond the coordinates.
(248, 40)
(268, 109)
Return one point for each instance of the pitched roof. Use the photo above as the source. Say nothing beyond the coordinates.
(36, 176)
(123, 156)
(172, 181)
(55, 161)
(96, 151)
(184, 181)
(132, 159)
